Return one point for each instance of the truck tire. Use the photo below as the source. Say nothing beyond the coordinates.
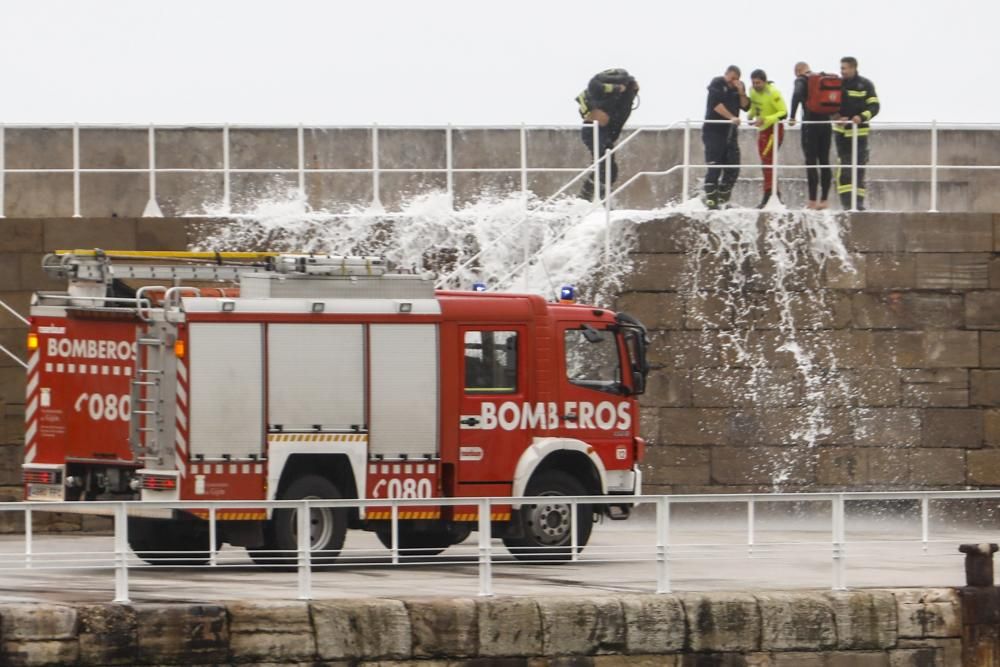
(329, 526)
(544, 529)
(417, 544)
(172, 542)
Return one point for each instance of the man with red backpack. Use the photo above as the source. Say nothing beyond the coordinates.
(819, 94)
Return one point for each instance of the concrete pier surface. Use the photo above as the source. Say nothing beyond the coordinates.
(707, 553)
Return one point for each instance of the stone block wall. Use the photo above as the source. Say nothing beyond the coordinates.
(865, 628)
(902, 341)
(906, 350)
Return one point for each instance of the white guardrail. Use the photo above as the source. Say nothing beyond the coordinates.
(656, 546)
(933, 166)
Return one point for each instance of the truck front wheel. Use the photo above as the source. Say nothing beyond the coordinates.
(544, 529)
(327, 526)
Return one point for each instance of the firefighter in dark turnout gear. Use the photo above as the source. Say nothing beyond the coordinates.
(816, 139)
(726, 97)
(607, 102)
(858, 105)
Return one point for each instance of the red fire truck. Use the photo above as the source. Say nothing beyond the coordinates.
(261, 376)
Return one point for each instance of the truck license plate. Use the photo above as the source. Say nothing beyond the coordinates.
(45, 492)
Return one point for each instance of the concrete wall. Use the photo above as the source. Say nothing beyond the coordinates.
(890, 628)
(905, 384)
(184, 193)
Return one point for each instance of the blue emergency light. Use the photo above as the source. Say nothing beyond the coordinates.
(478, 287)
(567, 294)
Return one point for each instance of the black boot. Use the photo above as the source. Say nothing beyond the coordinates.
(767, 198)
(845, 201)
(725, 192)
(587, 191)
(711, 197)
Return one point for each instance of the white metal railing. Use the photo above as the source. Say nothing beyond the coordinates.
(656, 547)
(933, 166)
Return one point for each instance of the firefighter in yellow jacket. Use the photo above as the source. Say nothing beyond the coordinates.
(858, 105)
(767, 110)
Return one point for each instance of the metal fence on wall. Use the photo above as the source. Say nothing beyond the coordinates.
(655, 545)
(686, 167)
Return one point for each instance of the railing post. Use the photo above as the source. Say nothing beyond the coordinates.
(776, 135)
(524, 165)
(662, 544)
(485, 555)
(934, 166)
(301, 139)
(686, 170)
(152, 209)
(376, 175)
(3, 169)
(596, 129)
(449, 164)
(854, 167)
(838, 543)
(572, 530)
(226, 184)
(303, 520)
(76, 170)
(607, 207)
(925, 527)
(751, 515)
(213, 556)
(121, 553)
(28, 537)
(394, 548)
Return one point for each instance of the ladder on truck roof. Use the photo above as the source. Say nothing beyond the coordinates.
(104, 266)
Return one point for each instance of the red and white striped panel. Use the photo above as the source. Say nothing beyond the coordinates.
(181, 426)
(31, 409)
(237, 468)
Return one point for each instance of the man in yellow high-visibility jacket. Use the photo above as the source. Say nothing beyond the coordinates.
(767, 110)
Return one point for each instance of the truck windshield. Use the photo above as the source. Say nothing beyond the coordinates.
(593, 360)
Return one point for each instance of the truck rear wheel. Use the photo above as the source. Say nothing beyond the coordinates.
(417, 543)
(544, 529)
(328, 526)
(177, 542)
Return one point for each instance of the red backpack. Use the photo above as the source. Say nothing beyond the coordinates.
(824, 93)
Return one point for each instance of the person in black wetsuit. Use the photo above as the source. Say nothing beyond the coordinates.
(726, 98)
(607, 101)
(816, 141)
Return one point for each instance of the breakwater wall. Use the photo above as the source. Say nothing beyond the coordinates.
(863, 628)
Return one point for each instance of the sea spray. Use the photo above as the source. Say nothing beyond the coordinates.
(506, 242)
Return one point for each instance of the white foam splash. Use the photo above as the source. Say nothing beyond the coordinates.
(507, 242)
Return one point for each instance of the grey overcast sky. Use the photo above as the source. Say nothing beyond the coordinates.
(470, 62)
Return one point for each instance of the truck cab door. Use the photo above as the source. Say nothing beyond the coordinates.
(596, 404)
(493, 375)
